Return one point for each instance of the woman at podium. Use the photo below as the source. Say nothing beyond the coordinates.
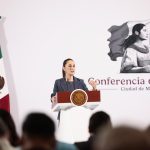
(69, 82)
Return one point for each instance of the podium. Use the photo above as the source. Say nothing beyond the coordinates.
(66, 100)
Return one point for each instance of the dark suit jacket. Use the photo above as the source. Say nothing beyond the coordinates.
(61, 85)
(85, 145)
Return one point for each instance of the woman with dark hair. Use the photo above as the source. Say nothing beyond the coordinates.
(12, 133)
(136, 57)
(69, 82)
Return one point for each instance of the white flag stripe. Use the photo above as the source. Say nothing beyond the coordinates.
(4, 90)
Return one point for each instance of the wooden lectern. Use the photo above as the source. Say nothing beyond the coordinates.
(66, 100)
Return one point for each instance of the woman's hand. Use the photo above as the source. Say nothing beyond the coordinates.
(53, 99)
(93, 83)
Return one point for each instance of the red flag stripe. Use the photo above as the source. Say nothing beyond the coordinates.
(4, 103)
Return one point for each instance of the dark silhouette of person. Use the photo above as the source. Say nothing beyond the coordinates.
(123, 138)
(38, 131)
(9, 122)
(4, 137)
(98, 121)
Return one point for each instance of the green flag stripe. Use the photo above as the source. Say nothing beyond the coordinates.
(0, 54)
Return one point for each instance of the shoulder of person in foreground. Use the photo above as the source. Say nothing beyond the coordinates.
(83, 145)
(5, 145)
(65, 146)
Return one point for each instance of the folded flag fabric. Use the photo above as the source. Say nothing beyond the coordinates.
(4, 95)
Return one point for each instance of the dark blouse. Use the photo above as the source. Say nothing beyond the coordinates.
(63, 85)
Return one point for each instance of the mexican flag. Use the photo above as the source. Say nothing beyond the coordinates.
(4, 96)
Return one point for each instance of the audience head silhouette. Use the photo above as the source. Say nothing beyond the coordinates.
(99, 120)
(38, 132)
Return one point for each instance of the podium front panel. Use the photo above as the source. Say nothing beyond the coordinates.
(63, 100)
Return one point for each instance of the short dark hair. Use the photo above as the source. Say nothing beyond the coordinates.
(39, 124)
(98, 120)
